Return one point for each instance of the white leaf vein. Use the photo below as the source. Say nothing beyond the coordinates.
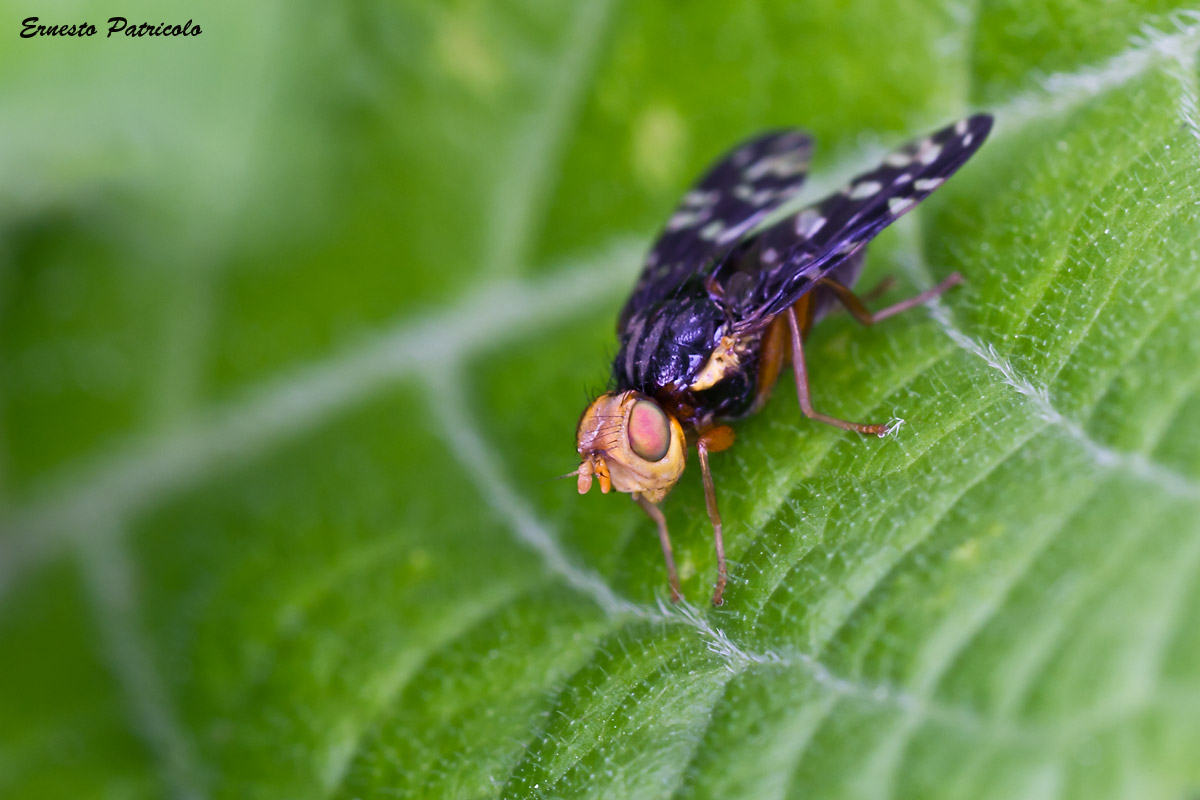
(107, 572)
(1038, 398)
(121, 483)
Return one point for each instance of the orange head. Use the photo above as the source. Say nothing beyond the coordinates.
(627, 441)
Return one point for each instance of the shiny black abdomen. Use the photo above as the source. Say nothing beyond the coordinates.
(666, 345)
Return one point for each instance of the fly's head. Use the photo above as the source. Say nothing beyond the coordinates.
(628, 442)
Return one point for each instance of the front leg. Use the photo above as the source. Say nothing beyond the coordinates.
(714, 441)
(655, 513)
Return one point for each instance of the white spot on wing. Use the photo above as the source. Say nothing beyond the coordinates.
(780, 165)
(736, 231)
(712, 230)
(765, 196)
(929, 152)
(898, 205)
(699, 197)
(746, 193)
(808, 223)
(960, 127)
(928, 184)
(898, 160)
(861, 191)
(687, 219)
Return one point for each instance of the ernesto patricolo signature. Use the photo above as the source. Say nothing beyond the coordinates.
(30, 28)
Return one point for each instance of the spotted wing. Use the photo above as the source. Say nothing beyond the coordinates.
(787, 258)
(736, 193)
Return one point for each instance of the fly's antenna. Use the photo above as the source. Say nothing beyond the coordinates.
(570, 474)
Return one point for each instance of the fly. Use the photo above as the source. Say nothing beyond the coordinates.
(719, 309)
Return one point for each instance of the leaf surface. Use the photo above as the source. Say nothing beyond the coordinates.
(298, 317)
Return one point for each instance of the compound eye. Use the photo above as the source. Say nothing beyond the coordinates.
(649, 431)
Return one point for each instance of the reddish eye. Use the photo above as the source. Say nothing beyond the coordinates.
(649, 431)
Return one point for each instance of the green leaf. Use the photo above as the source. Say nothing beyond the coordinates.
(296, 321)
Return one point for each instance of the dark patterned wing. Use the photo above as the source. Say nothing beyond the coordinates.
(736, 193)
(787, 258)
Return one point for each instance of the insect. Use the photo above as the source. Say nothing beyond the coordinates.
(719, 308)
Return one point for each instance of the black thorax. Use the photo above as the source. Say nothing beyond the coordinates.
(666, 345)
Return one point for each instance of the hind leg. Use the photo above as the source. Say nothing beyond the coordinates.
(860, 312)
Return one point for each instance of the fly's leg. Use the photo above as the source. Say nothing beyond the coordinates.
(802, 390)
(860, 312)
(655, 513)
(870, 295)
(880, 289)
(770, 362)
(714, 441)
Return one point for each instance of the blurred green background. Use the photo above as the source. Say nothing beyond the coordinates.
(297, 317)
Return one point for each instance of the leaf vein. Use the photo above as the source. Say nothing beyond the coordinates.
(118, 484)
(108, 576)
(1038, 398)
